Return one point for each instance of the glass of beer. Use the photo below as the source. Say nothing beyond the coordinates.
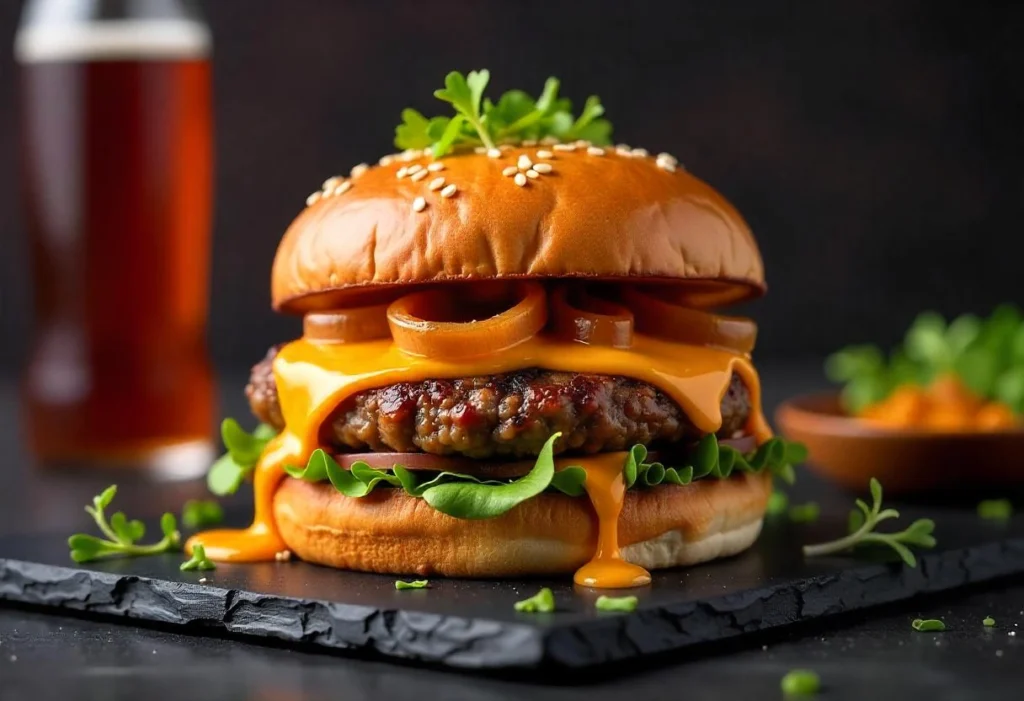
(117, 183)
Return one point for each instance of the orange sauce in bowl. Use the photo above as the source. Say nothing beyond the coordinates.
(947, 404)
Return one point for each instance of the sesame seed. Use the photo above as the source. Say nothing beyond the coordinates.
(509, 171)
(415, 168)
(622, 147)
(520, 179)
(640, 153)
(436, 184)
(494, 153)
(624, 151)
(419, 175)
(312, 199)
(524, 162)
(667, 157)
(543, 167)
(202, 580)
(582, 143)
(343, 188)
(564, 147)
(480, 149)
(419, 204)
(402, 172)
(410, 153)
(385, 160)
(549, 141)
(434, 167)
(448, 191)
(530, 142)
(532, 174)
(358, 170)
(595, 151)
(545, 154)
(331, 182)
(666, 166)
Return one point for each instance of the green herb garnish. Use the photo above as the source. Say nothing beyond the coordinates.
(243, 452)
(201, 513)
(616, 603)
(987, 354)
(928, 625)
(988, 621)
(122, 534)
(415, 584)
(995, 509)
(198, 561)
(801, 682)
(778, 502)
(804, 513)
(541, 602)
(468, 497)
(919, 533)
(515, 117)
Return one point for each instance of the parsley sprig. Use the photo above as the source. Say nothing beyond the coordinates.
(919, 533)
(198, 561)
(122, 535)
(987, 354)
(515, 117)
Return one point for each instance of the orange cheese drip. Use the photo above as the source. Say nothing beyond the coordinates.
(606, 487)
(315, 378)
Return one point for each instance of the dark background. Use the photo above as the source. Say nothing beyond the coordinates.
(876, 148)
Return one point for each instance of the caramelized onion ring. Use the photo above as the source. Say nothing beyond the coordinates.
(660, 318)
(347, 325)
(498, 469)
(428, 323)
(585, 318)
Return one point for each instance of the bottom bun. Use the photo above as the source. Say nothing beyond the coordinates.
(391, 532)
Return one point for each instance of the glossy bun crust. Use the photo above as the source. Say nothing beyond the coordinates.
(594, 216)
(391, 532)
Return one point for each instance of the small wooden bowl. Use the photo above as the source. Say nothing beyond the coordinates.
(850, 451)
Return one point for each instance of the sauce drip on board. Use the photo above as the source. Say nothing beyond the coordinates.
(315, 378)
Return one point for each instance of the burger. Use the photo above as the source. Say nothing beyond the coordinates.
(510, 363)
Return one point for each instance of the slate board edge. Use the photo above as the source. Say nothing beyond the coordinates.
(495, 645)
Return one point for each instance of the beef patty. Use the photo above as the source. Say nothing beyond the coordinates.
(509, 415)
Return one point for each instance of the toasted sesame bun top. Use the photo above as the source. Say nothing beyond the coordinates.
(521, 212)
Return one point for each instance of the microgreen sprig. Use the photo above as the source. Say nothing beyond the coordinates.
(919, 533)
(402, 585)
(616, 603)
(541, 602)
(515, 117)
(198, 561)
(800, 682)
(122, 535)
(199, 513)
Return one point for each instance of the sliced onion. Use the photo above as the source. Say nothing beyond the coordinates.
(667, 320)
(585, 318)
(347, 325)
(496, 469)
(442, 322)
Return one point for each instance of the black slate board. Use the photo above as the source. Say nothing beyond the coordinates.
(472, 624)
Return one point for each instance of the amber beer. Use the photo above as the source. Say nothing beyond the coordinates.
(117, 170)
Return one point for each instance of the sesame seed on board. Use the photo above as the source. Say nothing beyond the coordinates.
(419, 204)
(448, 191)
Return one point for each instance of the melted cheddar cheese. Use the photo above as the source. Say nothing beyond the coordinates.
(313, 379)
